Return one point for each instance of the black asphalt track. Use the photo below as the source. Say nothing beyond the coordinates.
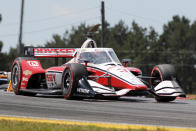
(131, 110)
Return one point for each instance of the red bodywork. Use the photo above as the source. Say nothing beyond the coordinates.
(29, 68)
(115, 81)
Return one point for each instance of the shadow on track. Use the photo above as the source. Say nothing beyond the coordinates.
(106, 99)
(48, 96)
(130, 99)
(122, 99)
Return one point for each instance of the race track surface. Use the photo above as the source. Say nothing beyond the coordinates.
(130, 110)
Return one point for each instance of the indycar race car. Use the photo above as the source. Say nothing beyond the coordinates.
(91, 73)
(3, 77)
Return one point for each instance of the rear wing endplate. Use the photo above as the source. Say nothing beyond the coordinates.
(40, 52)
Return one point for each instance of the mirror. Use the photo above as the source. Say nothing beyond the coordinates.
(125, 62)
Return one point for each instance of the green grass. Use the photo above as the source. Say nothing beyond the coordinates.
(6, 125)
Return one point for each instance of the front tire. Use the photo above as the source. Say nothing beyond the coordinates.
(71, 75)
(161, 73)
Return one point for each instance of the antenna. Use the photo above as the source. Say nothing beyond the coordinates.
(91, 30)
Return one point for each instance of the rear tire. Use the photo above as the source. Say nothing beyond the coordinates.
(16, 76)
(163, 72)
(71, 75)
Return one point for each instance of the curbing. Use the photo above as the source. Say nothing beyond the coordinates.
(97, 124)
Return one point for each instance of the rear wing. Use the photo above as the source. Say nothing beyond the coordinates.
(40, 52)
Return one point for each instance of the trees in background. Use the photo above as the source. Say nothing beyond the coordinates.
(176, 45)
(3, 59)
(1, 43)
(178, 40)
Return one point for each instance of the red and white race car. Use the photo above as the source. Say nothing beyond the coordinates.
(91, 73)
(3, 77)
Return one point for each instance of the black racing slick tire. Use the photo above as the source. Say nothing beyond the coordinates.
(160, 73)
(16, 76)
(71, 75)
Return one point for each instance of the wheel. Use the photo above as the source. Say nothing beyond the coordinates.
(161, 73)
(165, 99)
(16, 76)
(71, 75)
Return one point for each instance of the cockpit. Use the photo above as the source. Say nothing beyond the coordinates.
(98, 56)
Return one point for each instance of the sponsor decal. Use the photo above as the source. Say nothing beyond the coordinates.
(33, 63)
(27, 72)
(51, 80)
(23, 84)
(81, 90)
(23, 87)
(119, 69)
(122, 70)
(53, 50)
(50, 77)
(24, 79)
(110, 67)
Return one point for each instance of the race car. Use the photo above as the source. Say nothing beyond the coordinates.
(91, 73)
(3, 77)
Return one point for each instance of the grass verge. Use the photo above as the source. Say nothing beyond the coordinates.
(34, 124)
(6, 125)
